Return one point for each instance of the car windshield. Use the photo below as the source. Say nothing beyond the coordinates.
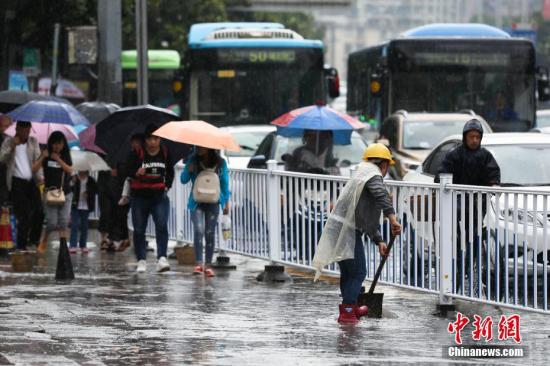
(426, 135)
(351, 153)
(248, 141)
(543, 120)
(526, 165)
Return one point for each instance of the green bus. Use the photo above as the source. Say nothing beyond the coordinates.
(163, 68)
(448, 68)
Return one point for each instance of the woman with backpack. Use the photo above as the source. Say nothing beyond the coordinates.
(209, 175)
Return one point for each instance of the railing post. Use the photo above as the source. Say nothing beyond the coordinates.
(445, 243)
(178, 205)
(273, 272)
(273, 210)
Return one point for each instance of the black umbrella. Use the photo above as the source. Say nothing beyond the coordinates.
(97, 111)
(114, 133)
(11, 99)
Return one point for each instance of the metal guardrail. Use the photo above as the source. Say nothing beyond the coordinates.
(486, 244)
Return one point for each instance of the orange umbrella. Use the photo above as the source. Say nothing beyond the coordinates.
(198, 133)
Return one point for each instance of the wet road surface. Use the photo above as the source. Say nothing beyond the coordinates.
(113, 316)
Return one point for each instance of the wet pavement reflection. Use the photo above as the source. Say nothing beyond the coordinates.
(111, 315)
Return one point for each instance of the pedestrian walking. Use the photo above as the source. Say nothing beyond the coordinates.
(357, 212)
(152, 173)
(104, 179)
(84, 194)
(209, 175)
(470, 164)
(5, 122)
(56, 162)
(24, 173)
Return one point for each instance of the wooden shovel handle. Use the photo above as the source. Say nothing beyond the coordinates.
(381, 265)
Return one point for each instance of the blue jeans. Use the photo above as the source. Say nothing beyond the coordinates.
(205, 220)
(159, 208)
(353, 272)
(79, 221)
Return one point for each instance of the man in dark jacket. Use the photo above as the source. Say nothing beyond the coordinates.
(470, 164)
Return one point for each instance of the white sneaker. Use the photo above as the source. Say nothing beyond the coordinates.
(163, 265)
(141, 266)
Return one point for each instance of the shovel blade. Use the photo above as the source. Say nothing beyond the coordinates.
(374, 303)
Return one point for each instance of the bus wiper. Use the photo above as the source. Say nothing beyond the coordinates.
(245, 147)
(511, 185)
(417, 148)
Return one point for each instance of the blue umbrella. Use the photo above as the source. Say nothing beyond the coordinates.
(318, 118)
(47, 111)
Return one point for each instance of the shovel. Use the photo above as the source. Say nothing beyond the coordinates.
(371, 299)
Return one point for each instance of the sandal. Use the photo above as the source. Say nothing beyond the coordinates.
(125, 244)
(104, 244)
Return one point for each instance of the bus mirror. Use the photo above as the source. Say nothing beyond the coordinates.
(543, 84)
(333, 82)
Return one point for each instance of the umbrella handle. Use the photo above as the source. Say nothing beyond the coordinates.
(381, 265)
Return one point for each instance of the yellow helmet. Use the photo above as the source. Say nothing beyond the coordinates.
(378, 151)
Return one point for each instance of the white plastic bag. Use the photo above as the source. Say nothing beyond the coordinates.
(226, 227)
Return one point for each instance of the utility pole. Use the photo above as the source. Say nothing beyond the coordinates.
(55, 56)
(109, 83)
(141, 43)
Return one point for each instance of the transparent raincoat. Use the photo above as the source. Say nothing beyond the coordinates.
(337, 240)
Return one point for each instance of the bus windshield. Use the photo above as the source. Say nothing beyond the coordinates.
(492, 78)
(253, 86)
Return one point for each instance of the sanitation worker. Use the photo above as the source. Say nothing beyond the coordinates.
(471, 164)
(357, 212)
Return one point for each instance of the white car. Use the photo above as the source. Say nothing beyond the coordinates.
(249, 138)
(523, 161)
(543, 118)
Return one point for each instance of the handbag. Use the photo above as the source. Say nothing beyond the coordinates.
(55, 196)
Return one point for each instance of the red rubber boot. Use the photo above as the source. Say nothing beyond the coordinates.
(361, 311)
(347, 314)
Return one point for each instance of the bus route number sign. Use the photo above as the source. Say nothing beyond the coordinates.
(256, 56)
(462, 58)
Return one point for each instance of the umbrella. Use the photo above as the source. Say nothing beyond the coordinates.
(41, 131)
(86, 160)
(11, 99)
(65, 88)
(96, 111)
(47, 111)
(87, 138)
(317, 118)
(114, 133)
(198, 133)
(78, 129)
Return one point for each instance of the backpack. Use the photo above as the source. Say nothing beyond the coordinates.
(207, 186)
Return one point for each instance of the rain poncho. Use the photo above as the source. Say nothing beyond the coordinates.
(337, 241)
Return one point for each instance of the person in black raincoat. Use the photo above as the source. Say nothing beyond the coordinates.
(470, 164)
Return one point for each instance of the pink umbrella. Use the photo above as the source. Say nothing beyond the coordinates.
(41, 131)
(87, 140)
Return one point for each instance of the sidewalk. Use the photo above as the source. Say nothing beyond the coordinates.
(110, 315)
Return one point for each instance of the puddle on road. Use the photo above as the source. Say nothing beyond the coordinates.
(119, 318)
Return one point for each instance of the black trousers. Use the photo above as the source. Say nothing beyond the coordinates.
(27, 207)
(107, 206)
(119, 228)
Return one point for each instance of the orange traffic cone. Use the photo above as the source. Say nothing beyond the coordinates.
(6, 239)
